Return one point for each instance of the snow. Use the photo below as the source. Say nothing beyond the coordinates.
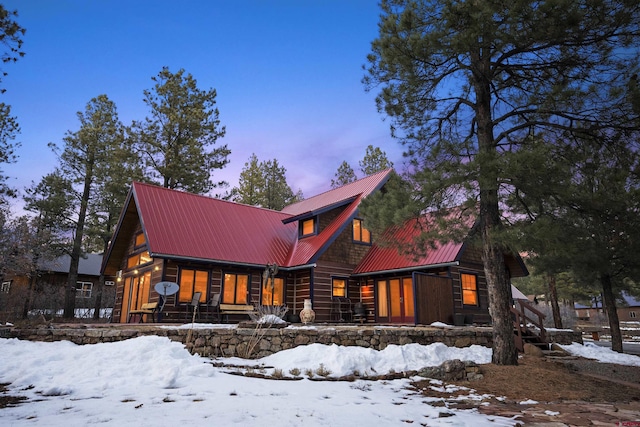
(152, 380)
(605, 355)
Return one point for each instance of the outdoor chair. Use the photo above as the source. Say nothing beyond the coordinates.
(192, 307)
(214, 305)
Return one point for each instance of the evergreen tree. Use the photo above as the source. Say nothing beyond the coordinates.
(345, 175)
(264, 184)
(11, 34)
(589, 223)
(375, 160)
(46, 234)
(177, 140)
(82, 157)
(250, 183)
(468, 83)
(9, 130)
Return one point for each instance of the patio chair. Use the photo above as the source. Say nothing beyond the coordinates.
(214, 305)
(192, 307)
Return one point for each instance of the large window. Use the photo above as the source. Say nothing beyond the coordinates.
(273, 292)
(339, 287)
(307, 227)
(192, 281)
(235, 288)
(83, 289)
(360, 234)
(469, 289)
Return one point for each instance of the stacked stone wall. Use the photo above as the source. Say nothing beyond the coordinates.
(251, 342)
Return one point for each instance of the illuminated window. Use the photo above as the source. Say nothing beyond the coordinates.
(235, 288)
(339, 287)
(83, 289)
(140, 240)
(383, 299)
(360, 234)
(307, 227)
(273, 293)
(139, 259)
(469, 289)
(192, 281)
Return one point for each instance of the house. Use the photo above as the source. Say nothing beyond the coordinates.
(48, 288)
(320, 247)
(627, 306)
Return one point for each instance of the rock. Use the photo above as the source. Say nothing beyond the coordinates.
(532, 350)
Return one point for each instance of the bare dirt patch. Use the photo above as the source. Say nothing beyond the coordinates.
(567, 391)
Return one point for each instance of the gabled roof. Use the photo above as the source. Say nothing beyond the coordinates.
(339, 196)
(387, 258)
(189, 226)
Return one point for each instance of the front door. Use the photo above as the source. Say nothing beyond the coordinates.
(395, 300)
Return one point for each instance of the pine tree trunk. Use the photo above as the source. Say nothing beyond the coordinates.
(70, 295)
(498, 283)
(609, 303)
(555, 308)
(98, 302)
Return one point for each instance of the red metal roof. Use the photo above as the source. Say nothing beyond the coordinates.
(186, 225)
(388, 258)
(189, 226)
(363, 187)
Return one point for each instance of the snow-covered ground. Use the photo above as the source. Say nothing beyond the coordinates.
(152, 381)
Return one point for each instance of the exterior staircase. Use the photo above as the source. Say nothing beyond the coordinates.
(528, 326)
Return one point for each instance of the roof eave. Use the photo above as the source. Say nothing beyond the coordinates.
(406, 269)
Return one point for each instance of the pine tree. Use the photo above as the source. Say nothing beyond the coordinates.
(83, 155)
(375, 160)
(264, 184)
(344, 175)
(177, 141)
(468, 83)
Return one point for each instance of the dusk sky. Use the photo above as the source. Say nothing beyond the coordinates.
(288, 76)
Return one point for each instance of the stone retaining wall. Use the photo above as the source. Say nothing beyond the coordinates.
(249, 342)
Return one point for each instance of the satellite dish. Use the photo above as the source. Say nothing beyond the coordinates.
(166, 288)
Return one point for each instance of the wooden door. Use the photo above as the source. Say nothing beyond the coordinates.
(434, 296)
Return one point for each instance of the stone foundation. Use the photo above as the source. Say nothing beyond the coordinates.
(251, 342)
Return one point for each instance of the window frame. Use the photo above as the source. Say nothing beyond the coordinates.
(182, 297)
(334, 287)
(225, 283)
(301, 223)
(632, 315)
(82, 291)
(359, 239)
(476, 303)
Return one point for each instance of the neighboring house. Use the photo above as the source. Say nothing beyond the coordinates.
(320, 245)
(49, 285)
(628, 308)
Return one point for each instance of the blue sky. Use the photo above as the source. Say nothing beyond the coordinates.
(288, 76)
